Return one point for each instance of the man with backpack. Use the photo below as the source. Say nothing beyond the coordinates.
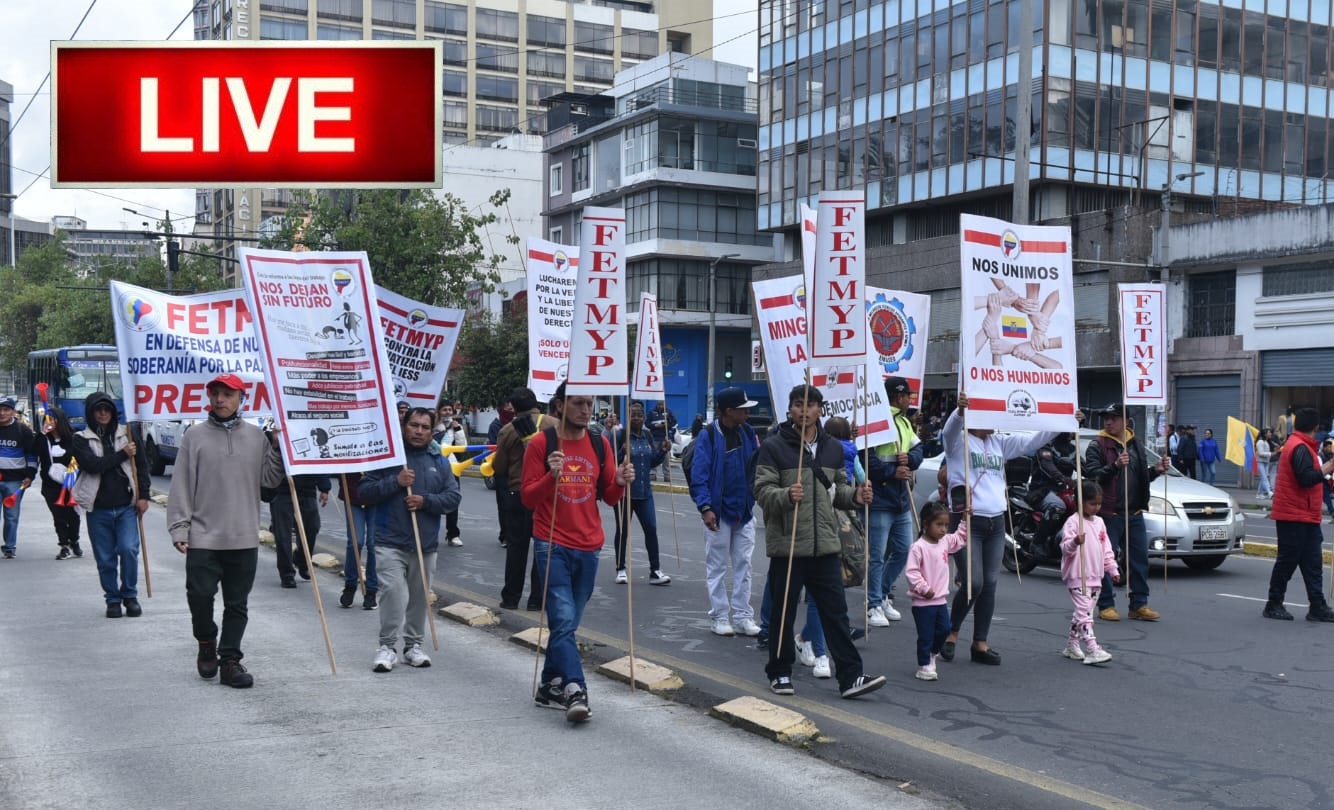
(720, 461)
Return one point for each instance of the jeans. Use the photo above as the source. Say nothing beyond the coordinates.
(1139, 561)
(888, 544)
(988, 545)
(1207, 471)
(11, 513)
(518, 537)
(284, 530)
(205, 569)
(1298, 547)
(403, 602)
(734, 543)
(933, 627)
(361, 526)
(648, 521)
(812, 632)
(1263, 487)
(114, 533)
(822, 577)
(572, 575)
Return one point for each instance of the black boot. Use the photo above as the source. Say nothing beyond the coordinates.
(1320, 612)
(1275, 610)
(207, 662)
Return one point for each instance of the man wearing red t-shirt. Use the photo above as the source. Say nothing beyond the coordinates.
(561, 485)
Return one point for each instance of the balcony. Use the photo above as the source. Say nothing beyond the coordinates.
(709, 99)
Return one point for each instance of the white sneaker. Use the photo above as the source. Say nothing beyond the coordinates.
(747, 627)
(926, 673)
(414, 656)
(876, 617)
(621, 576)
(722, 627)
(822, 669)
(385, 658)
(1073, 651)
(887, 607)
(657, 577)
(1097, 655)
(456, 541)
(805, 653)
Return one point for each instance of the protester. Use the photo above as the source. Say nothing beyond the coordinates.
(408, 501)
(564, 476)
(989, 451)
(18, 466)
(112, 491)
(891, 530)
(518, 524)
(1264, 451)
(720, 487)
(1086, 557)
(697, 426)
(213, 517)
(360, 530)
(1117, 462)
(1296, 514)
(662, 424)
(814, 560)
(312, 492)
(928, 573)
(1188, 452)
(54, 460)
(644, 454)
(1209, 457)
(504, 415)
(449, 432)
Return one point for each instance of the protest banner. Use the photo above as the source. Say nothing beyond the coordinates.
(551, 280)
(420, 341)
(324, 359)
(898, 323)
(1143, 310)
(648, 383)
(838, 292)
(171, 346)
(782, 319)
(598, 331)
(1017, 343)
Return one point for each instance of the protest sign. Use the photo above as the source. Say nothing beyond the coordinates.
(1143, 343)
(598, 332)
(898, 334)
(171, 346)
(420, 341)
(551, 279)
(324, 359)
(838, 292)
(1017, 331)
(648, 382)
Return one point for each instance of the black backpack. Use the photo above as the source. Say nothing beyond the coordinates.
(599, 450)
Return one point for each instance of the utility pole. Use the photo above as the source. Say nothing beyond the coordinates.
(13, 226)
(1023, 125)
(1164, 238)
(713, 327)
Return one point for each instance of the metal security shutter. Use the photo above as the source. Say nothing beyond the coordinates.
(1206, 402)
(1297, 368)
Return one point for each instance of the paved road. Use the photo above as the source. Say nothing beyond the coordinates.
(100, 713)
(1212, 707)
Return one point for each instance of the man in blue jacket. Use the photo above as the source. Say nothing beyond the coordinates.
(891, 530)
(417, 493)
(720, 487)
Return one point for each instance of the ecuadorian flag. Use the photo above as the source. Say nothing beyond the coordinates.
(1241, 445)
(1014, 326)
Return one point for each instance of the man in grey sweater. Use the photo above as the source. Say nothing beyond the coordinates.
(213, 517)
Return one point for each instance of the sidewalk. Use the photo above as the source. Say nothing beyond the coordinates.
(110, 713)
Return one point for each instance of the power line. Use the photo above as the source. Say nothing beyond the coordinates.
(47, 78)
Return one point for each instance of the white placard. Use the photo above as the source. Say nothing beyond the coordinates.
(648, 382)
(1143, 310)
(551, 279)
(420, 340)
(600, 366)
(898, 334)
(838, 292)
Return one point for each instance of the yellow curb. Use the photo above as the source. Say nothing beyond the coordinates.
(767, 720)
(469, 614)
(1270, 550)
(648, 675)
(326, 561)
(529, 638)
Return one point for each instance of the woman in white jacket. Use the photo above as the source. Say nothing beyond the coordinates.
(1264, 451)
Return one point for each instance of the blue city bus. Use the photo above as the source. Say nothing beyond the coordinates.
(71, 374)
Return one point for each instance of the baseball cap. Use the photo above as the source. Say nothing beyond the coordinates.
(734, 398)
(7, 402)
(227, 380)
(896, 385)
(1114, 409)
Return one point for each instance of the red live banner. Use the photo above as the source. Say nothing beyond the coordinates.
(311, 114)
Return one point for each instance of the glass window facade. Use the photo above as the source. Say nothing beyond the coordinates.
(339, 10)
(445, 18)
(400, 13)
(697, 215)
(1211, 304)
(684, 284)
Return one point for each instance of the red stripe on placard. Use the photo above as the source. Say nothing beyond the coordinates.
(539, 374)
(1056, 407)
(1031, 246)
(775, 301)
(549, 257)
(1059, 408)
(403, 314)
(875, 427)
(982, 238)
(978, 404)
(1027, 245)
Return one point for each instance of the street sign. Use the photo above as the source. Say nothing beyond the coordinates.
(360, 114)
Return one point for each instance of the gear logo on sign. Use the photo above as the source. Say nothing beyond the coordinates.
(1010, 245)
(892, 332)
(1021, 403)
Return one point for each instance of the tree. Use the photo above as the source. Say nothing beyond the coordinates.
(421, 246)
(491, 359)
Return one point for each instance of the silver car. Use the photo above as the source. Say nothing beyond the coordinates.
(1186, 519)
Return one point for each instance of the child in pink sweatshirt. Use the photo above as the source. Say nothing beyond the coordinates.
(928, 575)
(1085, 554)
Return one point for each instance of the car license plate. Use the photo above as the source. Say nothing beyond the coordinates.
(1213, 533)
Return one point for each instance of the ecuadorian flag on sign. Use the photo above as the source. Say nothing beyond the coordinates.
(1014, 326)
(1241, 445)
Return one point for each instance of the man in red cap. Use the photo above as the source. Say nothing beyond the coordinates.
(213, 517)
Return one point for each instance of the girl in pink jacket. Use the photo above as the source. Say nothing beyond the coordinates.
(928, 575)
(1085, 554)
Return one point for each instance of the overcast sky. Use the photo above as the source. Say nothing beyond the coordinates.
(26, 30)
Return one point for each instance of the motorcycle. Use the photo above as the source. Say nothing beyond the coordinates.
(1035, 530)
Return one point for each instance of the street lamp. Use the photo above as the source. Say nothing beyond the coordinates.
(13, 226)
(713, 328)
(1163, 238)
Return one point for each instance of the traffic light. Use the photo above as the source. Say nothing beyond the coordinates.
(173, 256)
(727, 367)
